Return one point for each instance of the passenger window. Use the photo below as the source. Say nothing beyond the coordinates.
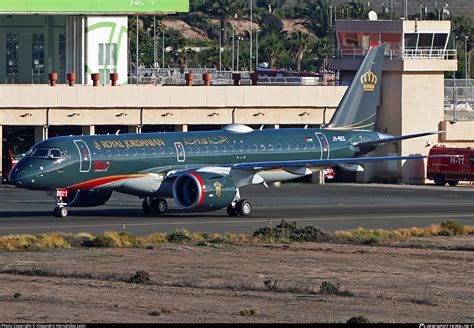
(223, 149)
(270, 147)
(296, 146)
(197, 150)
(109, 153)
(170, 150)
(262, 147)
(231, 148)
(240, 148)
(143, 152)
(162, 151)
(189, 150)
(125, 152)
(303, 146)
(287, 146)
(278, 146)
(255, 147)
(153, 151)
(216, 149)
(100, 153)
(134, 152)
(248, 147)
(117, 153)
(206, 149)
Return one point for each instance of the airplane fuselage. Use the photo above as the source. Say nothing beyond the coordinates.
(91, 162)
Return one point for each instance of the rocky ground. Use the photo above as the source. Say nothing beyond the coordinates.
(240, 283)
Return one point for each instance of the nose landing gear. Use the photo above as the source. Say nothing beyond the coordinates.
(60, 211)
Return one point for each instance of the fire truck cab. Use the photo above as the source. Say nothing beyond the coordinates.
(453, 169)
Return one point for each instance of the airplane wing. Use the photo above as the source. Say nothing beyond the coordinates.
(329, 162)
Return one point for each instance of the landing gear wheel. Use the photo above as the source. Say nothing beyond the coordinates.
(439, 180)
(60, 212)
(146, 207)
(232, 210)
(244, 207)
(159, 206)
(453, 183)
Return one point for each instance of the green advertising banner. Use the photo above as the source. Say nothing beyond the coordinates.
(93, 6)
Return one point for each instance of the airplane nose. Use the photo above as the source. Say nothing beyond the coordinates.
(14, 177)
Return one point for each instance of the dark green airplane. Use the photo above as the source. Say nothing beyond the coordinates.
(204, 171)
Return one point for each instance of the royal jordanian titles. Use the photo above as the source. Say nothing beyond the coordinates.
(205, 171)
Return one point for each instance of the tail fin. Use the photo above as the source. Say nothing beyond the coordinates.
(358, 107)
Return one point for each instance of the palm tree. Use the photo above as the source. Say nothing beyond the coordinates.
(300, 43)
(316, 16)
(273, 45)
(224, 9)
(270, 4)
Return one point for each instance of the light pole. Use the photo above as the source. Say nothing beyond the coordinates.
(238, 51)
(466, 38)
(154, 42)
(256, 55)
(163, 47)
(233, 47)
(220, 55)
(251, 33)
(454, 84)
(137, 52)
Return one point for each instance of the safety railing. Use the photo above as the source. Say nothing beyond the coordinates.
(447, 54)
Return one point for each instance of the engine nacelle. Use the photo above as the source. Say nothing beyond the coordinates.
(87, 198)
(203, 191)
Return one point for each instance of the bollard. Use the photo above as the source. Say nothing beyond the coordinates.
(71, 77)
(236, 77)
(114, 79)
(95, 79)
(207, 77)
(53, 78)
(254, 78)
(189, 77)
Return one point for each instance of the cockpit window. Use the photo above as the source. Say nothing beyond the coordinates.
(52, 153)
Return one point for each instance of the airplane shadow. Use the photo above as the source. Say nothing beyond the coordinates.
(113, 214)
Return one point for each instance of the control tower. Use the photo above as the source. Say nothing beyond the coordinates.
(416, 58)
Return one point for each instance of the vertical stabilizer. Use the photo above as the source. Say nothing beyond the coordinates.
(358, 107)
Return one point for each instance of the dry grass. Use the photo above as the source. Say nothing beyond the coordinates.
(126, 240)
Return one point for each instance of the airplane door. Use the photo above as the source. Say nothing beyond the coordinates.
(180, 152)
(325, 148)
(85, 161)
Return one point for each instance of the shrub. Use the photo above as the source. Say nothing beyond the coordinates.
(103, 241)
(292, 232)
(139, 277)
(17, 295)
(358, 319)
(179, 236)
(451, 228)
(248, 312)
(329, 288)
(154, 313)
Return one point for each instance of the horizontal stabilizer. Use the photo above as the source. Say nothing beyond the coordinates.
(385, 138)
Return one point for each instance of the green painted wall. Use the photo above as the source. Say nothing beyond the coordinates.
(93, 6)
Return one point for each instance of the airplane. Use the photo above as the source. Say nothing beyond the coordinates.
(204, 171)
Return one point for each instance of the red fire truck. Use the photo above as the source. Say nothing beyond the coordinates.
(453, 169)
(8, 163)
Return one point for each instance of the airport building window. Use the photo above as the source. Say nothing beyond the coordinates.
(107, 60)
(12, 58)
(62, 58)
(38, 57)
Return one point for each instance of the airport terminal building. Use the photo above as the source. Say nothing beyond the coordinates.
(87, 37)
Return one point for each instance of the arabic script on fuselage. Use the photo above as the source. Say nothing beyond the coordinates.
(206, 141)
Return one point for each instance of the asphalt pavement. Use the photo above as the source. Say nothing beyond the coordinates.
(331, 207)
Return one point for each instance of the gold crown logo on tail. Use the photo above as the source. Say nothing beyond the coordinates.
(369, 80)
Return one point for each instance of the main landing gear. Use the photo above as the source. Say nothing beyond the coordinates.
(242, 207)
(157, 206)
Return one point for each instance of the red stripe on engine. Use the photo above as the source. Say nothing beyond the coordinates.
(202, 187)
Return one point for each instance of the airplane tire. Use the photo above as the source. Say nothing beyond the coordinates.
(244, 207)
(159, 206)
(439, 180)
(146, 207)
(60, 212)
(453, 183)
(232, 211)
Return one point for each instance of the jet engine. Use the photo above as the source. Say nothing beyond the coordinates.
(87, 198)
(203, 191)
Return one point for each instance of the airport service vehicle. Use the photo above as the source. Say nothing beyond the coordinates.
(9, 161)
(205, 171)
(459, 166)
